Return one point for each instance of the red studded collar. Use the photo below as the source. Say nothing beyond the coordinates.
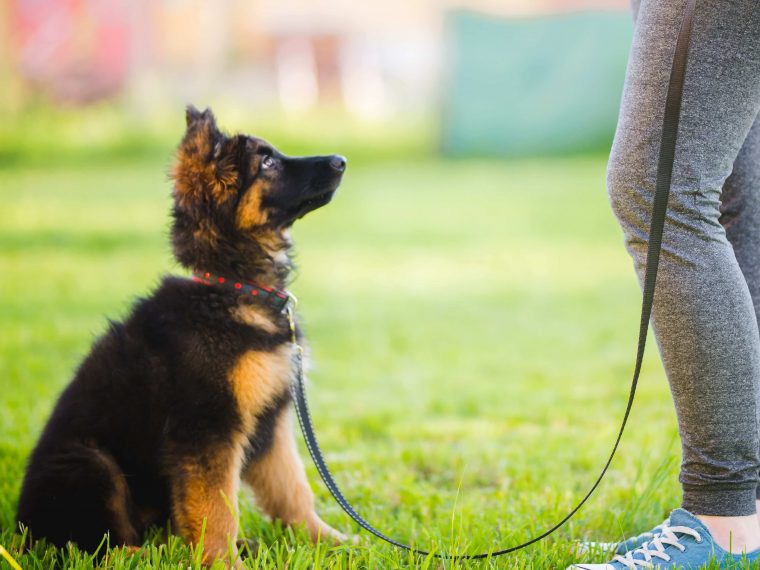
(275, 298)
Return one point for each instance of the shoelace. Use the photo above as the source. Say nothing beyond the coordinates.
(584, 547)
(656, 547)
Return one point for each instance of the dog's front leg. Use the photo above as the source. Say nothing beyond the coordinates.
(279, 482)
(205, 489)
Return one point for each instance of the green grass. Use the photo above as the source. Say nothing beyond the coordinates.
(472, 325)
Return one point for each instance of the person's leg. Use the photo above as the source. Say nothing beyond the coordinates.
(740, 213)
(703, 318)
(740, 217)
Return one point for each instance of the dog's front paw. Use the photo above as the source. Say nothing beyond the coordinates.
(320, 531)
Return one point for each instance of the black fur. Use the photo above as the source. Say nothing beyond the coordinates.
(155, 389)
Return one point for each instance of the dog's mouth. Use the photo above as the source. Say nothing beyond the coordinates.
(313, 202)
(316, 202)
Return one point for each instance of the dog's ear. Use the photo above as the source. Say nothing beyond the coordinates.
(202, 139)
(201, 127)
(191, 115)
(202, 167)
(195, 118)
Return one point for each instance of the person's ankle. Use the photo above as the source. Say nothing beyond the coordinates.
(734, 534)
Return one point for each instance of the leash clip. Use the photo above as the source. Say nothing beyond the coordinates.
(292, 300)
(290, 312)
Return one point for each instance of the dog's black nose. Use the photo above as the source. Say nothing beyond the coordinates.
(338, 162)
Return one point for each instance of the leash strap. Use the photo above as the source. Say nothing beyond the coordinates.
(662, 191)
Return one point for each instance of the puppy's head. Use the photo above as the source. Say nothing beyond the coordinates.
(233, 194)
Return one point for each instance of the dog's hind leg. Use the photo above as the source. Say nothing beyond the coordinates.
(279, 482)
(77, 493)
(204, 502)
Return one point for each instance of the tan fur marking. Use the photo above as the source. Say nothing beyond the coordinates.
(207, 231)
(253, 315)
(117, 502)
(194, 177)
(257, 379)
(249, 212)
(279, 482)
(118, 506)
(208, 490)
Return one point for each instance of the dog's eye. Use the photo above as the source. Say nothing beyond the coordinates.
(267, 162)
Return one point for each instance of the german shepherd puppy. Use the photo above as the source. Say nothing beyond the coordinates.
(189, 395)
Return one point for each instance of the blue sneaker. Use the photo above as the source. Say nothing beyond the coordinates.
(684, 542)
(627, 545)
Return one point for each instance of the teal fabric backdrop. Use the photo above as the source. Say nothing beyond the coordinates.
(533, 85)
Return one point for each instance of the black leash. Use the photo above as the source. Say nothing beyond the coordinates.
(662, 191)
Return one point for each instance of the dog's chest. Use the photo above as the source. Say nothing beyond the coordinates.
(259, 380)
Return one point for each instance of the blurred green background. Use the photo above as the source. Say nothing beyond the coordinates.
(471, 309)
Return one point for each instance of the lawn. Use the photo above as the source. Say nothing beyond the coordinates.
(473, 328)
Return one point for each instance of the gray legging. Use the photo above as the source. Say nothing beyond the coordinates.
(707, 299)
